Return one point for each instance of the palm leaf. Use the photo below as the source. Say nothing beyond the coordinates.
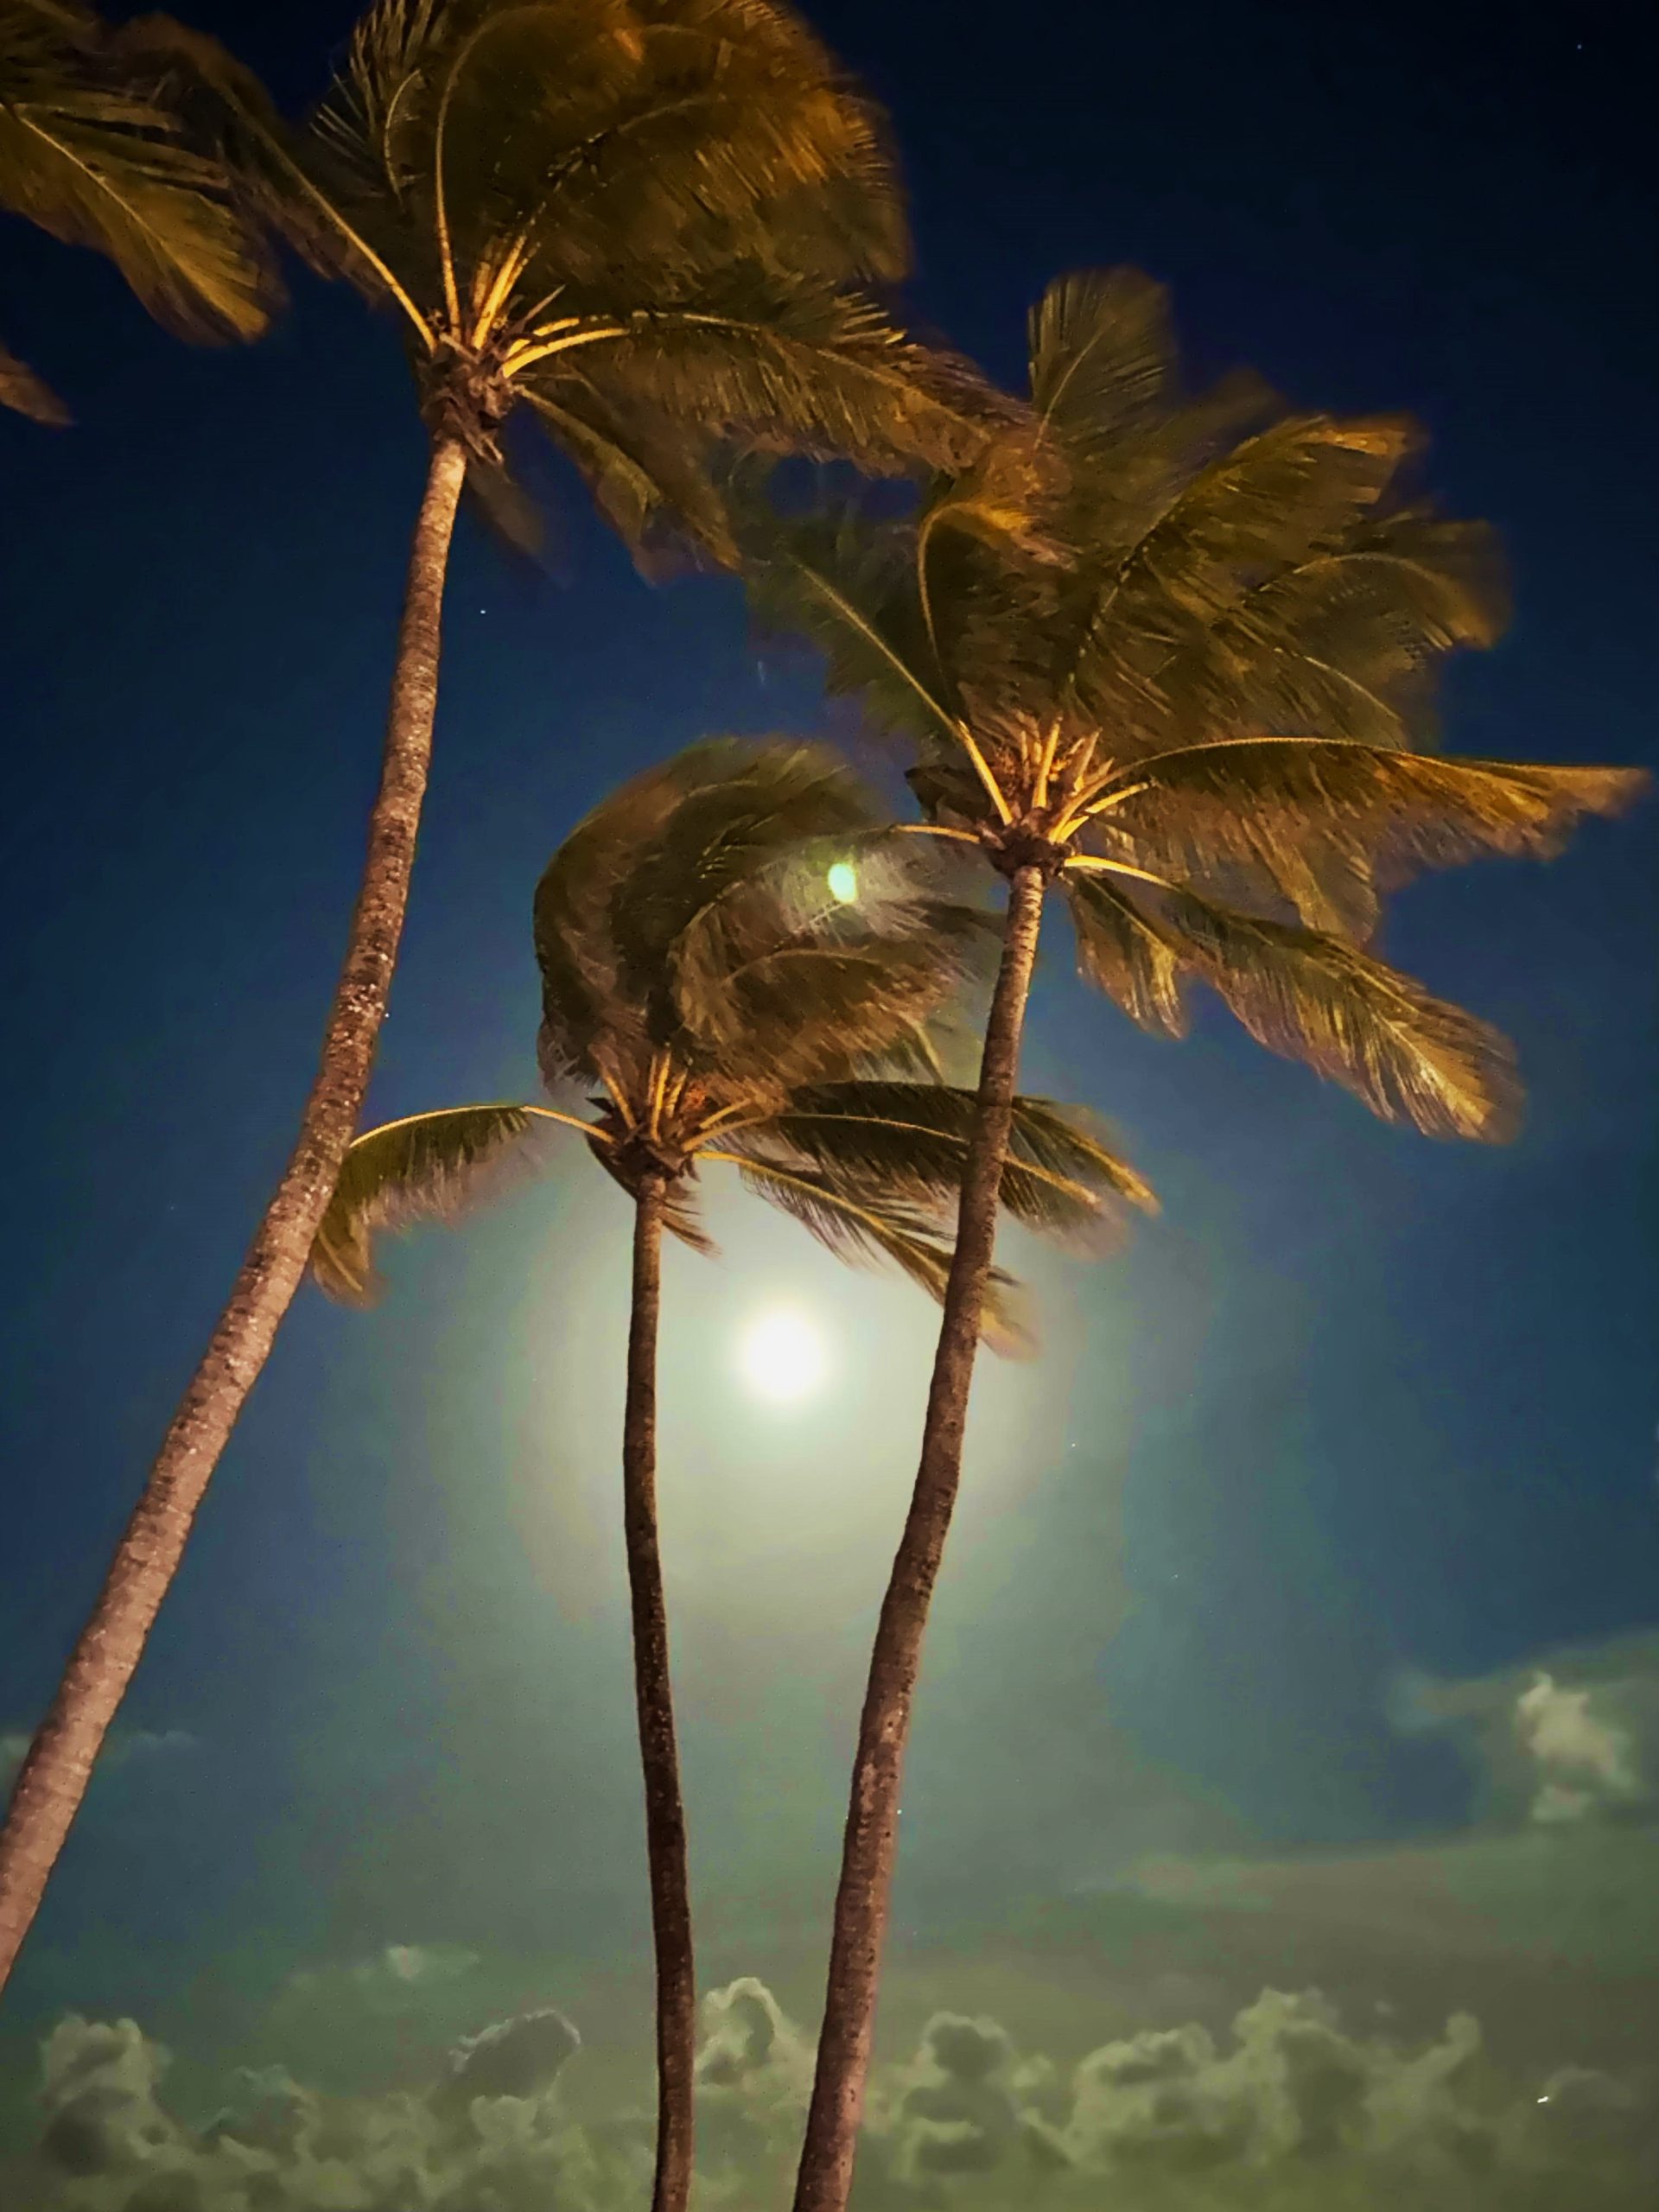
(1292, 490)
(1324, 822)
(1411, 1057)
(1124, 954)
(871, 1228)
(909, 1141)
(27, 394)
(93, 149)
(1346, 643)
(431, 1166)
(784, 366)
(1102, 358)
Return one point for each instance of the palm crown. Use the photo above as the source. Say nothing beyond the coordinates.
(715, 1002)
(649, 220)
(1176, 651)
(93, 150)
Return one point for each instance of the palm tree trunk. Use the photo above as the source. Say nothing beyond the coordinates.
(870, 1839)
(659, 1758)
(55, 1773)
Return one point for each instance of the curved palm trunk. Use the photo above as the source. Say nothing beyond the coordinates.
(869, 1842)
(659, 1759)
(55, 1773)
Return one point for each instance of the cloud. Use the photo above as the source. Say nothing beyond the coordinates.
(388, 1974)
(1282, 2107)
(1568, 1739)
(1586, 1763)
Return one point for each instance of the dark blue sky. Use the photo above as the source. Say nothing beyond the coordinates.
(1358, 1405)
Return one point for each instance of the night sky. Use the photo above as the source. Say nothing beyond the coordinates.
(1254, 1574)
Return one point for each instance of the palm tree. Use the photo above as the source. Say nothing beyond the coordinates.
(1168, 654)
(93, 150)
(714, 1003)
(644, 219)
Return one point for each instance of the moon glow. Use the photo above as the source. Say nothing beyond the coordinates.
(781, 1355)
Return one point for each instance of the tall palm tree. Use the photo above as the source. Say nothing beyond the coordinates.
(646, 220)
(722, 1006)
(93, 150)
(1168, 654)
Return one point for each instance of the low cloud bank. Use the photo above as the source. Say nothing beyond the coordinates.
(1284, 2109)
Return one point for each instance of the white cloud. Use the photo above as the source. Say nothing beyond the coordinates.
(1285, 2108)
(399, 1967)
(1584, 1762)
(1569, 1739)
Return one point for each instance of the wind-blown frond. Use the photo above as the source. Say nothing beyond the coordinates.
(662, 126)
(1408, 1056)
(1125, 955)
(785, 368)
(847, 584)
(1292, 490)
(432, 1166)
(1326, 822)
(870, 1227)
(691, 913)
(25, 393)
(1103, 358)
(94, 150)
(1346, 643)
(910, 1140)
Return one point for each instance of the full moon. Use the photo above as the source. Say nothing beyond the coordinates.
(782, 1356)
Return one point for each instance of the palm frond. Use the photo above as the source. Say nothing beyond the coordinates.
(773, 966)
(1347, 643)
(810, 1010)
(1408, 1056)
(1327, 822)
(94, 149)
(672, 132)
(25, 393)
(1292, 490)
(1125, 955)
(431, 1166)
(847, 584)
(868, 1228)
(908, 1142)
(691, 913)
(782, 366)
(1102, 358)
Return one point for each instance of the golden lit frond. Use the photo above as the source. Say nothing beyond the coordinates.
(1326, 822)
(1408, 1056)
(1125, 955)
(1292, 490)
(25, 393)
(909, 1141)
(691, 913)
(94, 150)
(870, 1228)
(431, 1166)
(781, 367)
(1103, 357)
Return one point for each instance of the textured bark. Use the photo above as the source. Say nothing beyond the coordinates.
(59, 1766)
(659, 1758)
(870, 1839)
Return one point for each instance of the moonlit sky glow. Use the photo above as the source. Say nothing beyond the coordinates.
(783, 1356)
(1298, 1627)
